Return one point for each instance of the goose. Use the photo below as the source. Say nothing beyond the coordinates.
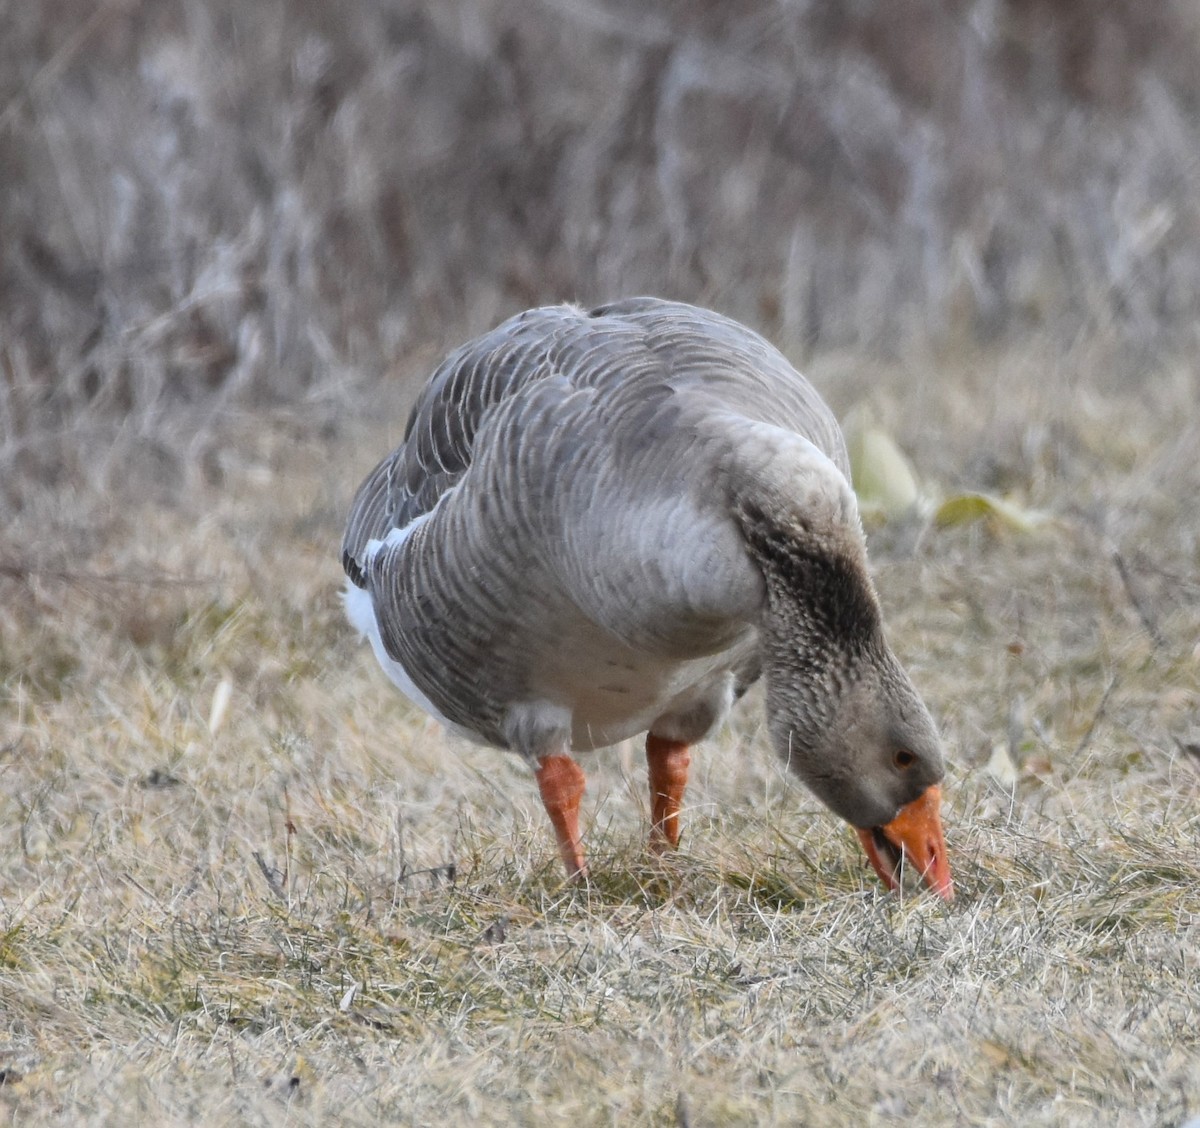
(613, 521)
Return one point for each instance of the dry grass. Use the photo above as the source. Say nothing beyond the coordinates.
(310, 907)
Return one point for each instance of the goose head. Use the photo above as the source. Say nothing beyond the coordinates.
(842, 712)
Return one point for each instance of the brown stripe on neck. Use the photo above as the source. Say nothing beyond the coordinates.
(817, 568)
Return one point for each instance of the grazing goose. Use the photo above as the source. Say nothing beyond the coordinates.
(612, 522)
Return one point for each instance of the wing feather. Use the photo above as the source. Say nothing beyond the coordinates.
(440, 435)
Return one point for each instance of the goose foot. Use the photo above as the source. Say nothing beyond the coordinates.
(561, 782)
(668, 761)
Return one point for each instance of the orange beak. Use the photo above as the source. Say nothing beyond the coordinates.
(914, 838)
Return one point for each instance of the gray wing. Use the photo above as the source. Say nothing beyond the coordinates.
(441, 429)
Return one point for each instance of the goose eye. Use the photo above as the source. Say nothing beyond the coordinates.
(903, 759)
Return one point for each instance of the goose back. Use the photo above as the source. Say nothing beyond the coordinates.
(648, 344)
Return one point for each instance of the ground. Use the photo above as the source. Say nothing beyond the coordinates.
(243, 881)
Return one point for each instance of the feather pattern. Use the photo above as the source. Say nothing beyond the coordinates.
(649, 345)
(608, 522)
(551, 553)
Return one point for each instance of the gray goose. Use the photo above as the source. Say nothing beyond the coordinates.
(608, 522)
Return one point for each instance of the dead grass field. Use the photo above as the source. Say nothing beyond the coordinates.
(310, 907)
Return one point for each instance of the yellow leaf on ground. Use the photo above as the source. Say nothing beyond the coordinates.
(883, 476)
(964, 509)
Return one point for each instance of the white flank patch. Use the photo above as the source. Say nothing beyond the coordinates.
(360, 610)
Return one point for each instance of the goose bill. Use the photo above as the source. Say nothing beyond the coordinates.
(913, 839)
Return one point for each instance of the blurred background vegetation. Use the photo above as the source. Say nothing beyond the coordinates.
(208, 205)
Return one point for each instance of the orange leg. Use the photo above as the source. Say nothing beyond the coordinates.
(561, 782)
(669, 761)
